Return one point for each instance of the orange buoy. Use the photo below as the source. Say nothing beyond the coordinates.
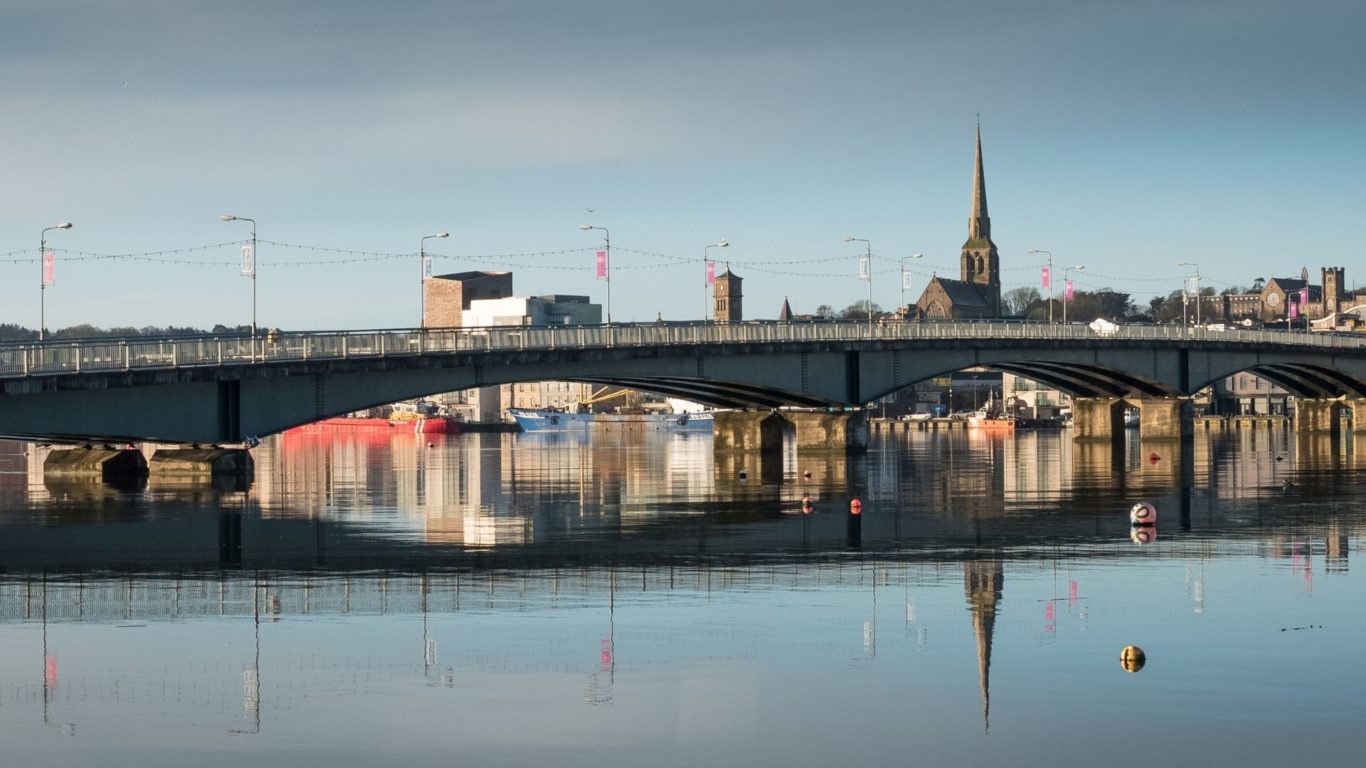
(1154, 458)
(855, 507)
(807, 474)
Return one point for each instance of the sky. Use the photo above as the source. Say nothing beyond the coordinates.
(1125, 137)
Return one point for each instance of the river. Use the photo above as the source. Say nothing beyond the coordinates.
(501, 600)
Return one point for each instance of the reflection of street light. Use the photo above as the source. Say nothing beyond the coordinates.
(1197, 291)
(723, 244)
(905, 276)
(252, 265)
(1050, 280)
(606, 264)
(45, 276)
(1067, 288)
(421, 282)
(868, 272)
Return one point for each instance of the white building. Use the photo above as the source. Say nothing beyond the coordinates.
(555, 309)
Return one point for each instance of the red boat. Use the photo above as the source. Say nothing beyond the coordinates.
(420, 425)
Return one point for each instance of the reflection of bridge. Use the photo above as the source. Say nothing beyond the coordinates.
(225, 389)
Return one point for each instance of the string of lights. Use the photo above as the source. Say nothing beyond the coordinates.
(536, 260)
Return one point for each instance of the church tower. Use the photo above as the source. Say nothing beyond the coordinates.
(981, 264)
(726, 298)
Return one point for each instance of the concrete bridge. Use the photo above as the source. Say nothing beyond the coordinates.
(228, 389)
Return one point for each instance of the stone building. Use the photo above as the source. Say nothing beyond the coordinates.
(445, 297)
(726, 297)
(977, 292)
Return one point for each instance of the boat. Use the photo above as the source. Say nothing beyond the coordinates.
(550, 420)
(984, 419)
(419, 418)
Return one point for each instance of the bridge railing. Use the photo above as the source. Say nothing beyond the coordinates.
(94, 355)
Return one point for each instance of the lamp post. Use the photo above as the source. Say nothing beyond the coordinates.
(252, 265)
(1065, 270)
(868, 272)
(422, 277)
(905, 276)
(1033, 251)
(44, 276)
(606, 265)
(1197, 289)
(724, 243)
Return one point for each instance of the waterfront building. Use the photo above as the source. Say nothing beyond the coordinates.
(445, 297)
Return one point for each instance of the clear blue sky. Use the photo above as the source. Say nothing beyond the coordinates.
(1124, 136)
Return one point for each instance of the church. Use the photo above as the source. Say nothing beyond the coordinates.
(977, 292)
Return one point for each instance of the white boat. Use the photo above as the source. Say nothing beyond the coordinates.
(546, 420)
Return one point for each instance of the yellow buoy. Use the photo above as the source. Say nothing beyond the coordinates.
(1132, 658)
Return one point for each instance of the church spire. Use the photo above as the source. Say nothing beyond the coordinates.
(979, 225)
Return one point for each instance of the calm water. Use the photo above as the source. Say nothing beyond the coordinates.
(525, 600)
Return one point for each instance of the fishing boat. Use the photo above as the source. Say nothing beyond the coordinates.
(549, 420)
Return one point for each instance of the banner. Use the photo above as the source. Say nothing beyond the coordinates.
(1046, 279)
(248, 260)
(863, 269)
(711, 272)
(1304, 295)
(49, 267)
(426, 266)
(905, 280)
(1067, 289)
(1294, 310)
(602, 265)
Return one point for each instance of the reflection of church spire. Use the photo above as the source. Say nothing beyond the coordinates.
(982, 581)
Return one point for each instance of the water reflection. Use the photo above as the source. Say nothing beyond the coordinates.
(496, 596)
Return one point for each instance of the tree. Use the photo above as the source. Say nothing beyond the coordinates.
(1018, 301)
(825, 311)
(859, 311)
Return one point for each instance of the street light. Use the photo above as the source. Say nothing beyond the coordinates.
(248, 265)
(1065, 287)
(723, 244)
(45, 276)
(1197, 290)
(905, 276)
(422, 277)
(1050, 280)
(868, 271)
(606, 264)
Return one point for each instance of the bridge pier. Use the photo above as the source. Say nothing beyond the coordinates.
(1357, 407)
(829, 430)
(201, 462)
(1316, 416)
(1165, 418)
(108, 464)
(748, 432)
(1097, 418)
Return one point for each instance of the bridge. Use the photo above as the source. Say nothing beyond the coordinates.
(232, 388)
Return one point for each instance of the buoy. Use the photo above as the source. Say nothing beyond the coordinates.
(1280, 458)
(1143, 513)
(430, 445)
(807, 474)
(1154, 458)
(855, 507)
(743, 474)
(1132, 658)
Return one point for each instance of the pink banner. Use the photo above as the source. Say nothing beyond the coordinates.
(1294, 310)
(1304, 295)
(711, 272)
(602, 265)
(49, 267)
(1067, 289)
(1046, 281)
